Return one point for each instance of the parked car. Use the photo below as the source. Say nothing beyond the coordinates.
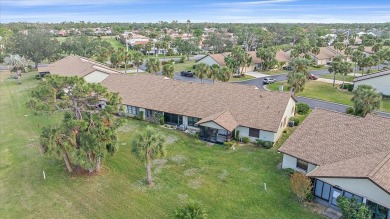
(288, 68)
(312, 77)
(268, 80)
(187, 73)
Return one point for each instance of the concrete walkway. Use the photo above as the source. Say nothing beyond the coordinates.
(256, 74)
(330, 81)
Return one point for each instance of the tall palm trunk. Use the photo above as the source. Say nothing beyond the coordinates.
(343, 82)
(98, 162)
(334, 78)
(66, 159)
(149, 171)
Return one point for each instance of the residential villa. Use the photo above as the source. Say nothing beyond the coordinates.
(380, 81)
(91, 71)
(219, 59)
(343, 155)
(216, 110)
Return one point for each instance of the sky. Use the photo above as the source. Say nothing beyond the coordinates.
(218, 11)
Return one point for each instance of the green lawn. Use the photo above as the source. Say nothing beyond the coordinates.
(325, 91)
(187, 65)
(246, 77)
(229, 184)
(348, 78)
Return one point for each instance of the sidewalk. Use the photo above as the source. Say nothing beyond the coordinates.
(330, 81)
(256, 74)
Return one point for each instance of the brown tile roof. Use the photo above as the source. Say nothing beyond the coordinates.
(219, 58)
(224, 119)
(374, 75)
(76, 66)
(249, 106)
(342, 145)
(255, 59)
(282, 56)
(325, 53)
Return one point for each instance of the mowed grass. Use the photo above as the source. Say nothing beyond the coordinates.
(348, 78)
(227, 183)
(325, 91)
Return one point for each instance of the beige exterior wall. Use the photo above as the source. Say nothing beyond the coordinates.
(381, 84)
(361, 187)
(264, 135)
(291, 162)
(208, 60)
(288, 113)
(95, 77)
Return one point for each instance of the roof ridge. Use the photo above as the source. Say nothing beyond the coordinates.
(380, 165)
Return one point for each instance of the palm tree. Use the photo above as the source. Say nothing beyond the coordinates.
(224, 74)
(168, 70)
(335, 68)
(153, 65)
(357, 57)
(345, 69)
(296, 80)
(214, 71)
(315, 50)
(201, 71)
(54, 141)
(301, 65)
(376, 47)
(368, 62)
(127, 58)
(148, 47)
(147, 146)
(366, 99)
(348, 52)
(338, 46)
(138, 59)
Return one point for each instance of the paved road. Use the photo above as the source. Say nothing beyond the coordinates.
(313, 103)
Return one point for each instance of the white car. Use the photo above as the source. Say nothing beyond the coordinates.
(268, 80)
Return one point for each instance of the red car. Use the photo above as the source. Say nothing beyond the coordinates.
(312, 77)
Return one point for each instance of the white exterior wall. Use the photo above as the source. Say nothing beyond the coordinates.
(95, 77)
(208, 60)
(185, 121)
(211, 125)
(291, 162)
(288, 113)
(361, 187)
(264, 135)
(381, 84)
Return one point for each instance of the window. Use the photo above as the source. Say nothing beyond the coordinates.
(132, 110)
(173, 119)
(322, 190)
(302, 165)
(254, 132)
(349, 195)
(378, 211)
(192, 121)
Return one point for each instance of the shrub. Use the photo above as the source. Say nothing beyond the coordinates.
(350, 208)
(229, 144)
(161, 119)
(264, 144)
(245, 140)
(295, 120)
(302, 108)
(191, 210)
(350, 110)
(197, 135)
(182, 59)
(350, 88)
(285, 131)
(140, 115)
(194, 66)
(301, 185)
(289, 171)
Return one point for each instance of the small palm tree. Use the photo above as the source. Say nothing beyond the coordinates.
(168, 70)
(138, 59)
(201, 71)
(346, 68)
(214, 71)
(147, 146)
(296, 80)
(224, 74)
(153, 65)
(366, 99)
(16, 62)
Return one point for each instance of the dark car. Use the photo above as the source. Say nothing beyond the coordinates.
(187, 73)
(288, 68)
(312, 77)
(268, 80)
